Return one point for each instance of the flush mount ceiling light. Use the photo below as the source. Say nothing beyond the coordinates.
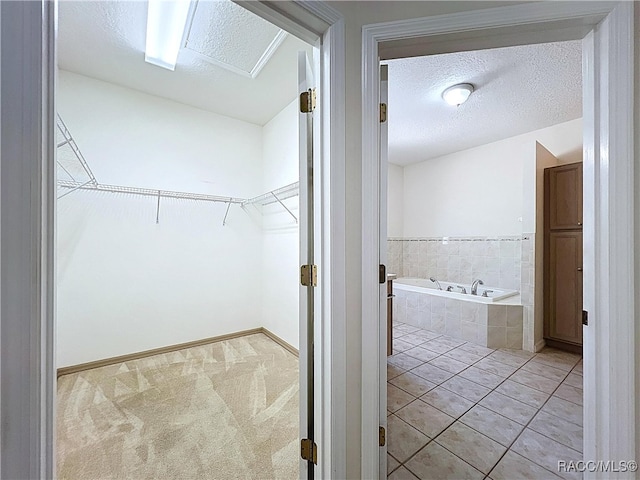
(457, 94)
(166, 21)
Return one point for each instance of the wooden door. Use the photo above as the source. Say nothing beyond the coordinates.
(565, 197)
(564, 315)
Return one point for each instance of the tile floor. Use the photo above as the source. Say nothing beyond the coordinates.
(461, 411)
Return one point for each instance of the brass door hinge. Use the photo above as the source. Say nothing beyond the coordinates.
(308, 101)
(382, 274)
(382, 437)
(383, 112)
(309, 275)
(309, 451)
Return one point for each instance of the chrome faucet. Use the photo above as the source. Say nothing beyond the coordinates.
(474, 286)
(436, 282)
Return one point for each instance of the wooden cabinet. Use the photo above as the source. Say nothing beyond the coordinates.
(563, 257)
(565, 190)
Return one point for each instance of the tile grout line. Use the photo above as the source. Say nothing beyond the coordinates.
(403, 464)
(529, 422)
(458, 417)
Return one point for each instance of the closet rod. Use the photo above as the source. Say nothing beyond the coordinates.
(149, 192)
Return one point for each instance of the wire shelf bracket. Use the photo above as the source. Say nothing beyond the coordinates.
(68, 140)
(275, 196)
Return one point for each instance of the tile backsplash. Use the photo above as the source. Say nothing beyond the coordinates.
(497, 261)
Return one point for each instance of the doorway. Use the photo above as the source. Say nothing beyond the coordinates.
(31, 241)
(464, 208)
(196, 196)
(387, 41)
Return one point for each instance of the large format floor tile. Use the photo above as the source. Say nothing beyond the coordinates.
(481, 413)
(435, 462)
(404, 440)
(513, 466)
(429, 420)
(559, 429)
(545, 452)
(491, 424)
(412, 384)
(447, 401)
(509, 407)
(471, 446)
(397, 398)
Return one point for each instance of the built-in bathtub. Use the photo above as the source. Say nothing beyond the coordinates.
(494, 321)
(485, 294)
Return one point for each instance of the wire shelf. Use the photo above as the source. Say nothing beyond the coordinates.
(74, 166)
(274, 196)
(73, 186)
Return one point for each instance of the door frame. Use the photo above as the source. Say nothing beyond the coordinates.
(27, 223)
(610, 340)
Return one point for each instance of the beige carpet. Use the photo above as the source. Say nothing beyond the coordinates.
(227, 410)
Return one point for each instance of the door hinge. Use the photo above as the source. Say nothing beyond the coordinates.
(308, 101)
(585, 317)
(382, 437)
(309, 275)
(383, 112)
(309, 451)
(382, 274)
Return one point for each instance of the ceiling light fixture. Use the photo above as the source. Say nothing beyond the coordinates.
(166, 21)
(457, 94)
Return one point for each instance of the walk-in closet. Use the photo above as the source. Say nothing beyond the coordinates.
(177, 245)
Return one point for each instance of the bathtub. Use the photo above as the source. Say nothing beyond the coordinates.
(494, 294)
(495, 321)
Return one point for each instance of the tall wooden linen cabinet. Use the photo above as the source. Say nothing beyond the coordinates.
(563, 257)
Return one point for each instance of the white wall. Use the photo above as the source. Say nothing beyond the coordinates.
(564, 141)
(544, 159)
(395, 201)
(132, 138)
(482, 191)
(280, 245)
(125, 283)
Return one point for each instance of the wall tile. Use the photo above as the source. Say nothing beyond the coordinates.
(497, 316)
(514, 337)
(501, 262)
(437, 322)
(413, 317)
(496, 337)
(514, 316)
(469, 331)
(453, 326)
(438, 305)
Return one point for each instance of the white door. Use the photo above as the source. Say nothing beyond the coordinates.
(383, 261)
(308, 289)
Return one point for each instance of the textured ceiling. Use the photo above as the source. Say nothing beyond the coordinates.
(106, 40)
(214, 32)
(517, 90)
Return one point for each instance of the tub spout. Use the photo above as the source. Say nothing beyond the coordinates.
(474, 286)
(436, 282)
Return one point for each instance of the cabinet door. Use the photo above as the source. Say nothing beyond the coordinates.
(565, 196)
(564, 309)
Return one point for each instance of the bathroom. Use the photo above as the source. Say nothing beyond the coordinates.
(472, 209)
(465, 242)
